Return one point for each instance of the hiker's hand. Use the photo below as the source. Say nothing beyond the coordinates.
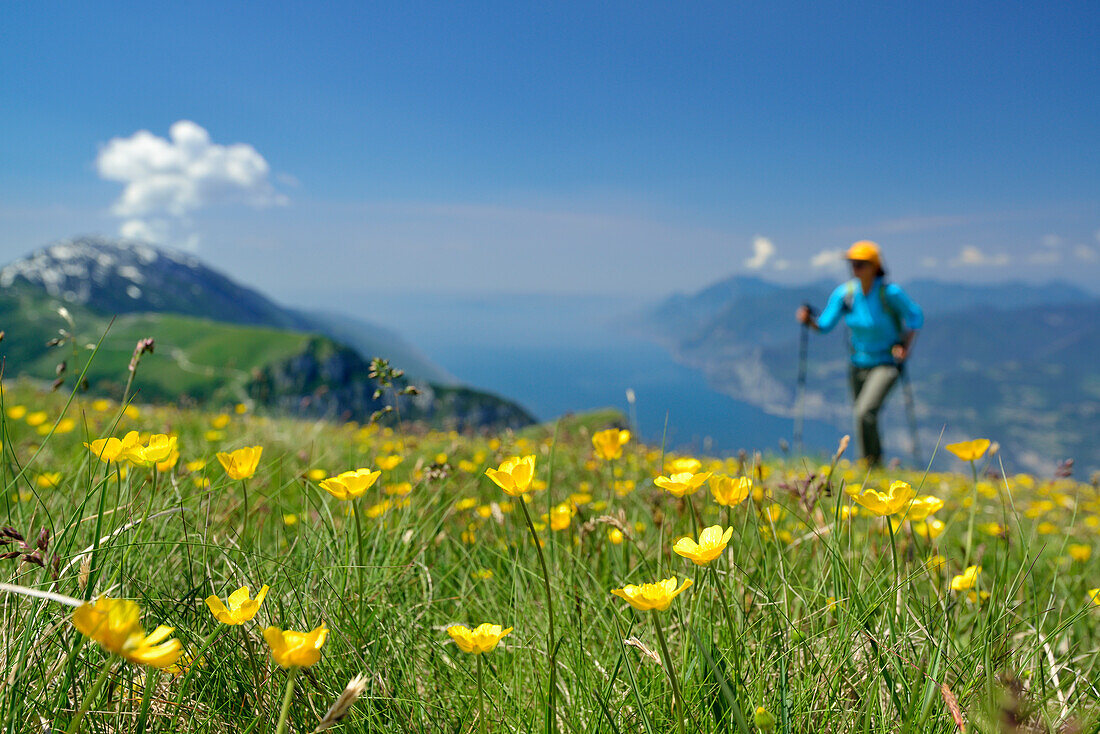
(803, 314)
(900, 352)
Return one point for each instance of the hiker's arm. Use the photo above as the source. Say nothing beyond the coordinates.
(830, 315)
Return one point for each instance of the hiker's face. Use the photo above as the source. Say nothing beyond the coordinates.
(860, 268)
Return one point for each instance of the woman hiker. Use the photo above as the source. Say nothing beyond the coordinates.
(882, 322)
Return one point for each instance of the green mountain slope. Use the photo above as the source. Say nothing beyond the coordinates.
(207, 361)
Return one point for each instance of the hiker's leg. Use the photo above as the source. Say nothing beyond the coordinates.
(874, 388)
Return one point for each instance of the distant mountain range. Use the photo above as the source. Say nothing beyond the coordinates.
(1012, 361)
(216, 339)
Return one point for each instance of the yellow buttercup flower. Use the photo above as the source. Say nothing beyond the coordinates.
(169, 461)
(114, 449)
(652, 596)
(240, 607)
(609, 444)
(350, 484)
(966, 579)
(730, 491)
(479, 640)
(16, 412)
(892, 502)
(683, 483)
(514, 475)
(712, 541)
(242, 463)
(37, 418)
(386, 463)
(682, 464)
(1094, 596)
(291, 649)
(921, 507)
(929, 529)
(1080, 552)
(615, 536)
(116, 625)
(159, 448)
(969, 450)
(560, 516)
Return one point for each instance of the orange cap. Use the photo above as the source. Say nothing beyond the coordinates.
(865, 250)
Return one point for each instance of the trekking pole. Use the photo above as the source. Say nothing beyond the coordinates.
(911, 411)
(800, 391)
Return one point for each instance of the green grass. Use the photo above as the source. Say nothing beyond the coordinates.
(810, 613)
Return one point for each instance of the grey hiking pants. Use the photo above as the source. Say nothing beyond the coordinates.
(870, 386)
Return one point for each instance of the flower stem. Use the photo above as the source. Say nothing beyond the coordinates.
(671, 672)
(93, 694)
(356, 507)
(244, 522)
(482, 725)
(551, 716)
(287, 698)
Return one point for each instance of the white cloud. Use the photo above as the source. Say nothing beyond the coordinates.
(929, 262)
(762, 251)
(167, 179)
(1086, 253)
(1052, 241)
(973, 256)
(828, 259)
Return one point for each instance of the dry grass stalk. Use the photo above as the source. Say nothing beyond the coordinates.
(343, 704)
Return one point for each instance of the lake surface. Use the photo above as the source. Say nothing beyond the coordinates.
(556, 355)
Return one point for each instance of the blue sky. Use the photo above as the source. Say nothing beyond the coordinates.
(565, 147)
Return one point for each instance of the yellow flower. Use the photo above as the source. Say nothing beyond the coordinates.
(922, 507)
(350, 484)
(219, 421)
(196, 465)
(514, 475)
(65, 425)
(482, 639)
(615, 536)
(730, 491)
(101, 405)
(652, 596)
(683, 483)
(560, 516)
(894, 501)
(113, 449)
(16, 412)
(1079, 552)
(291, 649)
(609, 444)
(483, 574)
(929, 529)
(240, 408)
(242, 463)
(712, 541)
(132, 412)
(1094, 596)
(386, 463)
(966, 579)
(48, 479)
(116, 625)
(290, 519)
(37, 418)
(240, 608)
(969, 450)
(682, 464)
(168, 462)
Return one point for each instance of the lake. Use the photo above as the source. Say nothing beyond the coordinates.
(558, 354)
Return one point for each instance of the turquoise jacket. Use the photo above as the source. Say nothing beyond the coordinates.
(874, 329)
